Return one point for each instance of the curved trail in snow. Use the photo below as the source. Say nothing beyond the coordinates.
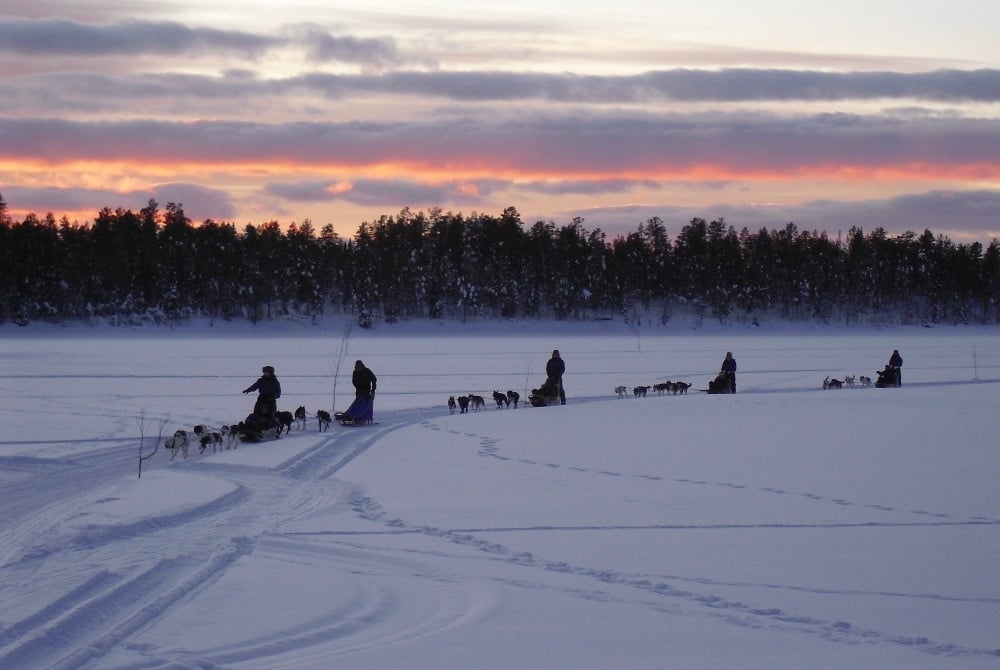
(93, 603)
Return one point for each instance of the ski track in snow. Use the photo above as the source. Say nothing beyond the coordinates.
(99, 608)
(662, 592)
(94, 603)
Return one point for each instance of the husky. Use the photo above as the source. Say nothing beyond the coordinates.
(232, 435)
(323, 418)
(300, 417)
(177, 444)
(513, 397)
(500, 399)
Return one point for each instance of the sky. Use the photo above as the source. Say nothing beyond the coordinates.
(826, 115)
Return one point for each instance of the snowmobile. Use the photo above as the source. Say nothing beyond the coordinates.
(360, 413)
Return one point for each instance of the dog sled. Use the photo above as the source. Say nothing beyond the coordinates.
(258, 428)
(360, 413)
(722, 383)
(887, 377)
(547, 394)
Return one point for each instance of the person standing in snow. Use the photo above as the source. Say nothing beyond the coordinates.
(896, 365)
(362, 409)
(729, 369)
(268, 391)
(364, 381)
(554, 371)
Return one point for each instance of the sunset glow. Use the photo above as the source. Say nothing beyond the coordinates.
(341, 116)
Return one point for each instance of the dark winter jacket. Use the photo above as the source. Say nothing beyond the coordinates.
(268, 385)
(364, 381)
(555, 368)
(896, 360)
(729, 365)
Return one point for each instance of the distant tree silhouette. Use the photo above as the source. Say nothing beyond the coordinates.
(157, 266)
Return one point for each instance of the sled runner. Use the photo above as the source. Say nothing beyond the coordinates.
(347, 421)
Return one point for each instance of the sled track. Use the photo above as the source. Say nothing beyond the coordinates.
(335, 452)
(103, 612)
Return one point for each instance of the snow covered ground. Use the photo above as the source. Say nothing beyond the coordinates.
(783, 527)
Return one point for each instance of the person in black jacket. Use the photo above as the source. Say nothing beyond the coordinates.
(268, 391)
(362, 409)
(554, 371)
(896, 365)
(729, 368)
(364, 381)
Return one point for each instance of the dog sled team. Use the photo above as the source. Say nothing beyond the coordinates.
(464, 403)
(266, 422)
(889, 376)
(659, 388)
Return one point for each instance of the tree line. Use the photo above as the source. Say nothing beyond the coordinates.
(157, 266)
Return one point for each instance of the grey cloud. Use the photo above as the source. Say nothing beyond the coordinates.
(731, 85)
(57, 36)
(60, 37)
(322, 47)
(93, 90)
(383, 192)
(302, 191)
(581, 186)
(199, 202)
(375, 192)
(562, 143)
(739, 85)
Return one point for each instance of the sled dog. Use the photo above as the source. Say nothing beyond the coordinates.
(300, 417)
(177, 444)
(513, 397)
(323, 418)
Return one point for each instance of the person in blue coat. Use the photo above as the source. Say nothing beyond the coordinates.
(729, 368)
(268, 391)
